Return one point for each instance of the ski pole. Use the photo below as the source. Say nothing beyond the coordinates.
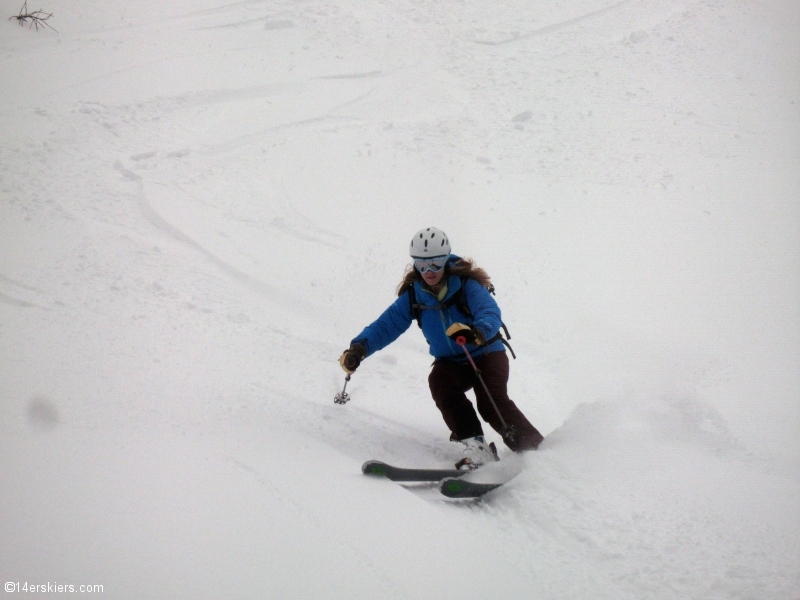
(508, 430)
(342, 397)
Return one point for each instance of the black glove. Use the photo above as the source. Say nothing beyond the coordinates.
(461, 333)
(352, 357)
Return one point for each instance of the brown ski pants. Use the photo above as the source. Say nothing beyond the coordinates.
(450, 379)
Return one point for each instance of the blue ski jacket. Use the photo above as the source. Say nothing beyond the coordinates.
(436, 318)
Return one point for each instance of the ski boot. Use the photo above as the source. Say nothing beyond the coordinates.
(476, 453)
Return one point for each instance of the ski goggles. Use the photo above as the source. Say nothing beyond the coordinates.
(434, 264)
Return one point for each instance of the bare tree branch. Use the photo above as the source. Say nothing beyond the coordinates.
(37, 18)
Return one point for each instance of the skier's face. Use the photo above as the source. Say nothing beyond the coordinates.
(433, 278)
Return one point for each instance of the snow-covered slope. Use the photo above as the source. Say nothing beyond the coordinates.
(202, 202)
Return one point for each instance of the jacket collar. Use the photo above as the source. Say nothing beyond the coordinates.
(453, 285)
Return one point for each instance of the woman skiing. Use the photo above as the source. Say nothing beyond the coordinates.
(448, 297)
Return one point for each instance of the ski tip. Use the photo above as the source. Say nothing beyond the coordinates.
(458, 488)
(375, 467)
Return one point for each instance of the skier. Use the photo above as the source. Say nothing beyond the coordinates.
(448, 297)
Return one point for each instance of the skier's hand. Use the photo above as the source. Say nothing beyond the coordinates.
(352, 357)
(464, 334)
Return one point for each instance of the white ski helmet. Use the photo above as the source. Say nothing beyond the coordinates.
(429, 242)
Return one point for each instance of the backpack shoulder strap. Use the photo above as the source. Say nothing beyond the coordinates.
(416, 310)
(459, 299)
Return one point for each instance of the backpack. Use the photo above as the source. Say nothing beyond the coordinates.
(459, 299)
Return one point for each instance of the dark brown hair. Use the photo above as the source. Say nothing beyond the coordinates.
(463, 267)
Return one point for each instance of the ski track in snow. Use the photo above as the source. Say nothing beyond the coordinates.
(554, 27)
(201, 205)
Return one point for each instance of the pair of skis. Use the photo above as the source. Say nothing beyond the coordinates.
(451, 482)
